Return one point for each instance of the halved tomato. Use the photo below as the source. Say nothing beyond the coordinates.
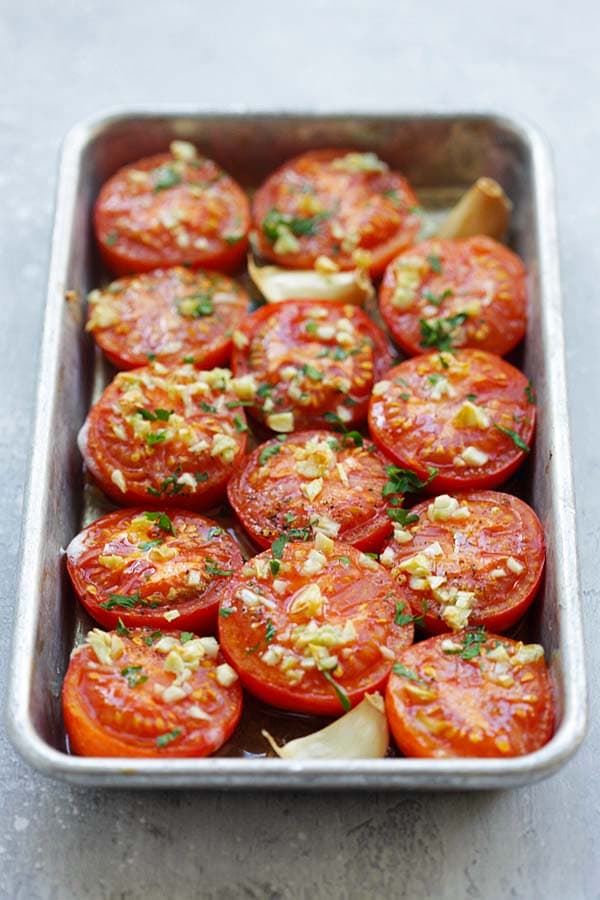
(337, 203)
(466, 417)
(176, 208)
(169, 315)
(475, 694)
(166, 437)
(315, 365)
(310, 626)
(471, 559)
(446, 294)
(313, 479)
(141, 693)
(144, 567)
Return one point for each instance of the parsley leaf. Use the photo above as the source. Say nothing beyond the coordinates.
(267, 452)
(341, 693)
(312, 373)
(148, 545)
(399, 669)
(437, 299)
(163, 739)
(212, 568)
(133, 676)
(121, 629)
(299, 227)
(473, 643)
(127, 601)
(435, 263)
(402, 516)
(516, 438)
(270, 632)
(226, 611)
(403, 481)
(530, 393)
(439, 332)
(155, 636)
(239, 423)
(400, 617)
(162, 521)
(156, 437)
(186, 636)
(165, 177)
(278, 546)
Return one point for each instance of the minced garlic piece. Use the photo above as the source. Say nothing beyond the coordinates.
(359, 162)
(118, 478)
(183, 151)
(471, 456)
(514, 565)
(240, 340)
(312, 488)
(283, 422)
(308, 600)
(471, 416)
(226, 675)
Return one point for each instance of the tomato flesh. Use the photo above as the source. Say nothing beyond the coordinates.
(164, 211)
(169, 315)
(349, 207)
(311, 631)
(146, 568)
(120, 705)
(442, 701)
(319, 363)
(165, 437)
(487, 556)
(466, 414)
(469, 293)
(311, 475)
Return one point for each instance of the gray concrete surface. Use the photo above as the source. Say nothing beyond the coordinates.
(60, 61)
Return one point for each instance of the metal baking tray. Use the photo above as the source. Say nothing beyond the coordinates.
(441, 155)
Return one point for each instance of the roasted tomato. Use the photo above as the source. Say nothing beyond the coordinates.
(310, 626)
(177, 208)
(166, 437)
(145, 567)
(144, 693)
(314, 479)
(445, 294)
(471, 559)
(314, 365)
(170, 315)
(340, 204)
(474, 694)
(466, 417)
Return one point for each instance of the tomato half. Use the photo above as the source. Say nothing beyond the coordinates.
(317, 362)
(472, 559)
(313, 477)
(337, 203)
(148, 568)
(169, 315)
(474, 694)
(469, 293)
(176, 208)
(310, 626)
(166, 437)
(141, 693)
(469, 415)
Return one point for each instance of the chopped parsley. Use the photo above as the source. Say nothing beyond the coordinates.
(278, 545)
(399, 669)
(274, 219)
(156, 437)
(133, 675)
(169, 486)
(165, 177)
(439, 332)
(239, 423)
(207, 407)
(203, 306)
(201, 476)
(472, 397)
(530, 393)
(516, 438)
(186, 636)
(159, 415)
(437, 299)
(126, 601)
(214, 531)
(403, 481)
(226, 611)
(111, 238)
(402, 516)
(162, 521)
(473, 643)
(274, 565)
(163, 739)
(312, 373)
(189, 359)
(267, 452)
(212, 568)
(270, 632)
(148, 545)
(435, 263)
(341, 693)
(155, 636)
(402, 618)
(121, 629)
(345, 560)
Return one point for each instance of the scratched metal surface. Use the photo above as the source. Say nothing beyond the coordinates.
(62, 62)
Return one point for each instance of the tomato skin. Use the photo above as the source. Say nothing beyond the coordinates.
(145, 318)
(499, 528)
(268, 498)
(472, 272)
(151, 472)
(420, 433)
(470, 713)
(277, 343)
(256, 620)
(105, 716)
(139, 227)
(151, 572)
(366, 211)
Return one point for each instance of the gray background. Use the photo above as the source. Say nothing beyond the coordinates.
(63, 60)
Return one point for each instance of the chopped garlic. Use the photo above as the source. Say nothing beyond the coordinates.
(323, 543)
(308, 600)
(240, 340)
(359, 162)
(183, 151)
(387, 557)
(226, 675)
(314, 563)
(118, 478)
(312, 489)
(471, 456)
(325, 525)
(381, 387)
(172, 614)
(471, 416)
(528, 653)
(514, 565)
(283, 422)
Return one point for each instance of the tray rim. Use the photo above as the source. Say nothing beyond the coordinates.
(239, 772)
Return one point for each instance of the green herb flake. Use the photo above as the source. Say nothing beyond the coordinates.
(312, 373)
(214, 531)
(311, 326)
(111, 238)
(232, 238)
(267, 452)
(530, 393)
(239, 423)
(437, 299)
(126, 601)
(341, 693)
(399, 669)
(278, 546)
(133, 675)
(151, 357)
(148, 545)
(472, 397)
(162, 521)
(515, 438)
(345, 560)
(151, 638)
(189, 359)
(270, 632)
(274, 565)
(164, 739)
(289, 517)
(402, 516)
(440, 332)
(186, 636)
(473, 643)
(435, 263)
(165, 177)
(226, 611)
(156, 437)
(403, 481)
(400, 617)
(207, 407)
(200, 477)
(212, 568)
(275, 219)
(121, 629)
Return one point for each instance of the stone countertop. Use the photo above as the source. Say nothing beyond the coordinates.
(60, 62)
